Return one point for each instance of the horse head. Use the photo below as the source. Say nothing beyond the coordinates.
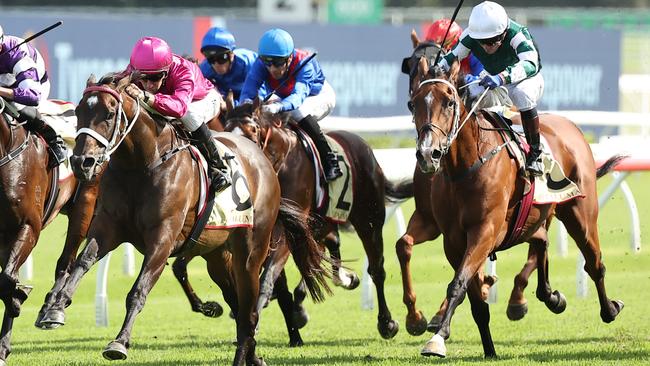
(102, 124)
(436, 112)
(244, 119)
(421, 49)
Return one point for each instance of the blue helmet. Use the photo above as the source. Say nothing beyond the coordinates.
(218, 37)
(276, 42)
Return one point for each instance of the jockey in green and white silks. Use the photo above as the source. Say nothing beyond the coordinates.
(511, 59)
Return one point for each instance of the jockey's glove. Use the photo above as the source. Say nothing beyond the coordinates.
(491, 81)
(137, 93)
(272, 108)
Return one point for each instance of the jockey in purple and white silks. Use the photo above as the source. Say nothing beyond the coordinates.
(24, 82)
(509, 54)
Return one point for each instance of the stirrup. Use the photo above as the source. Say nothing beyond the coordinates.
(331, 168)
(58, 154)
(535, 168)
(219, 181)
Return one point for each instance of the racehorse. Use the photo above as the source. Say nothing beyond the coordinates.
(474, 207)
(28, 202)
(297, 175)
(149, 194)
(422, 227)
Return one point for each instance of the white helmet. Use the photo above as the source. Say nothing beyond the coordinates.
(488, 19)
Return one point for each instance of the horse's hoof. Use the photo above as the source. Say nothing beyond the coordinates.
(297, 342)
(23, 291)
(517, 311)
(354, 281)
(434, 324)
(299, 318)
(435, 347)
(557, 306)
(388, 329)
(53, 319)
(258, 362)
(614, 310)
(417, 326)
(114, 351)
(212, 309)
(346, 279)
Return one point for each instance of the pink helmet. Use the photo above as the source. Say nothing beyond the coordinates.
(437, 30)
(151, 55)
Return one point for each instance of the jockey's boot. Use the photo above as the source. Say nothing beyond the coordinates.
(530, 120)
(217, 170)
(327, 157)
(34, 122)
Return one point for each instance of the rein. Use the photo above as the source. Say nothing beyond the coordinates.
(114, 143)
(12, 154)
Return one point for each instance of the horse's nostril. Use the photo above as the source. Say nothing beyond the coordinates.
(88, 162)
(436, 154)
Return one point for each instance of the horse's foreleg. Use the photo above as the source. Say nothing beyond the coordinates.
(554, 300)
(5, 335)
(481, 315)
(580, 220)
(341, 277)
(517, 304)
(79, 220)
(475, 251)
(418, 231)
(152, 266)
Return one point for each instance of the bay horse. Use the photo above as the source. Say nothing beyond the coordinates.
(473, 208)
(422, 227)
(28, 203)
(148, 196)
(297, 175)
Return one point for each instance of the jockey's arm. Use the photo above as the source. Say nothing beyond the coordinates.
(301, 89)
(175, 105)
(528, 64)
(253, 81)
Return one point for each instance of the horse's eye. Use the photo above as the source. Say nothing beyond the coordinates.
(110, 115)
(409, 104)
(451, 103)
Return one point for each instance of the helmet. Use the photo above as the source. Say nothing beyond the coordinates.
(151, 55)
(276, 42)
(437, 31)
(218, 37)
(487, 20)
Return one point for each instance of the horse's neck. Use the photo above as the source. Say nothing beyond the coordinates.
(144, 144)
(465, 150)
(281, 145)
(5, 136)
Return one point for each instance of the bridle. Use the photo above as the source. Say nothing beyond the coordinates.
(431, 126)
(122, 124)
(251, 120)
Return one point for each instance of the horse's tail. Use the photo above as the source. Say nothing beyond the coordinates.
(305, 250)
(398, 192)
(609, 165)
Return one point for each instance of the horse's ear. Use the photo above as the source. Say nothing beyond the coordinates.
(92, 80)
(423, 68)
(454, 71)
(414, 38)
(123, 83)
(230, 101)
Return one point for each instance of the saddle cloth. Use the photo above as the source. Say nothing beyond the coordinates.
(60, 116)
(553, 186)
(233, 206)
(339, 193)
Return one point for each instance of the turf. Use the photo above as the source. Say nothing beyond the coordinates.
(340, 333)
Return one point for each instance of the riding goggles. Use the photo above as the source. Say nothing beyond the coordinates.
(220, 59)
(154, 77)
(492, 41)
(274, 61)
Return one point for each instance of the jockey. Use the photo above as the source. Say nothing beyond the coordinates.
(509, 54)
(24, 81)
(305, 94)
(225, 65)
(175, 87)
(436, 33)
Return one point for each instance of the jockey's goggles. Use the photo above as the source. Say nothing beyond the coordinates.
(154, 77)
(220, 59)
(492, 41)
(274, 60)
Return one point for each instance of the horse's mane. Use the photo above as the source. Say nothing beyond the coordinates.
(249, 110)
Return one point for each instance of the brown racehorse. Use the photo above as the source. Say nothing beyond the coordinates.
(24, 191)
(149, 195)
(473, 208)
(296, 173)
(422, 228)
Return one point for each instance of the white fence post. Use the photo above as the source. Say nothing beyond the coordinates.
(491, 269)
(128, 265)
(26, 271)
(101, 297)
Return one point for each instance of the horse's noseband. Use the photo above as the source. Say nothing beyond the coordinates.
(432, 127)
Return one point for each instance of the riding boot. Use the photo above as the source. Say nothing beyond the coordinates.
(327, 157)
(34, 122)
(530, 120)
(219, 177)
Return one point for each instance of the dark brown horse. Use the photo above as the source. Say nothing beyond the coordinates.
(149, 195)
(297, 175)
(25, 189)
(473, 208)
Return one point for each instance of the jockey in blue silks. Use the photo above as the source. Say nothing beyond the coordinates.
(305, 94)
